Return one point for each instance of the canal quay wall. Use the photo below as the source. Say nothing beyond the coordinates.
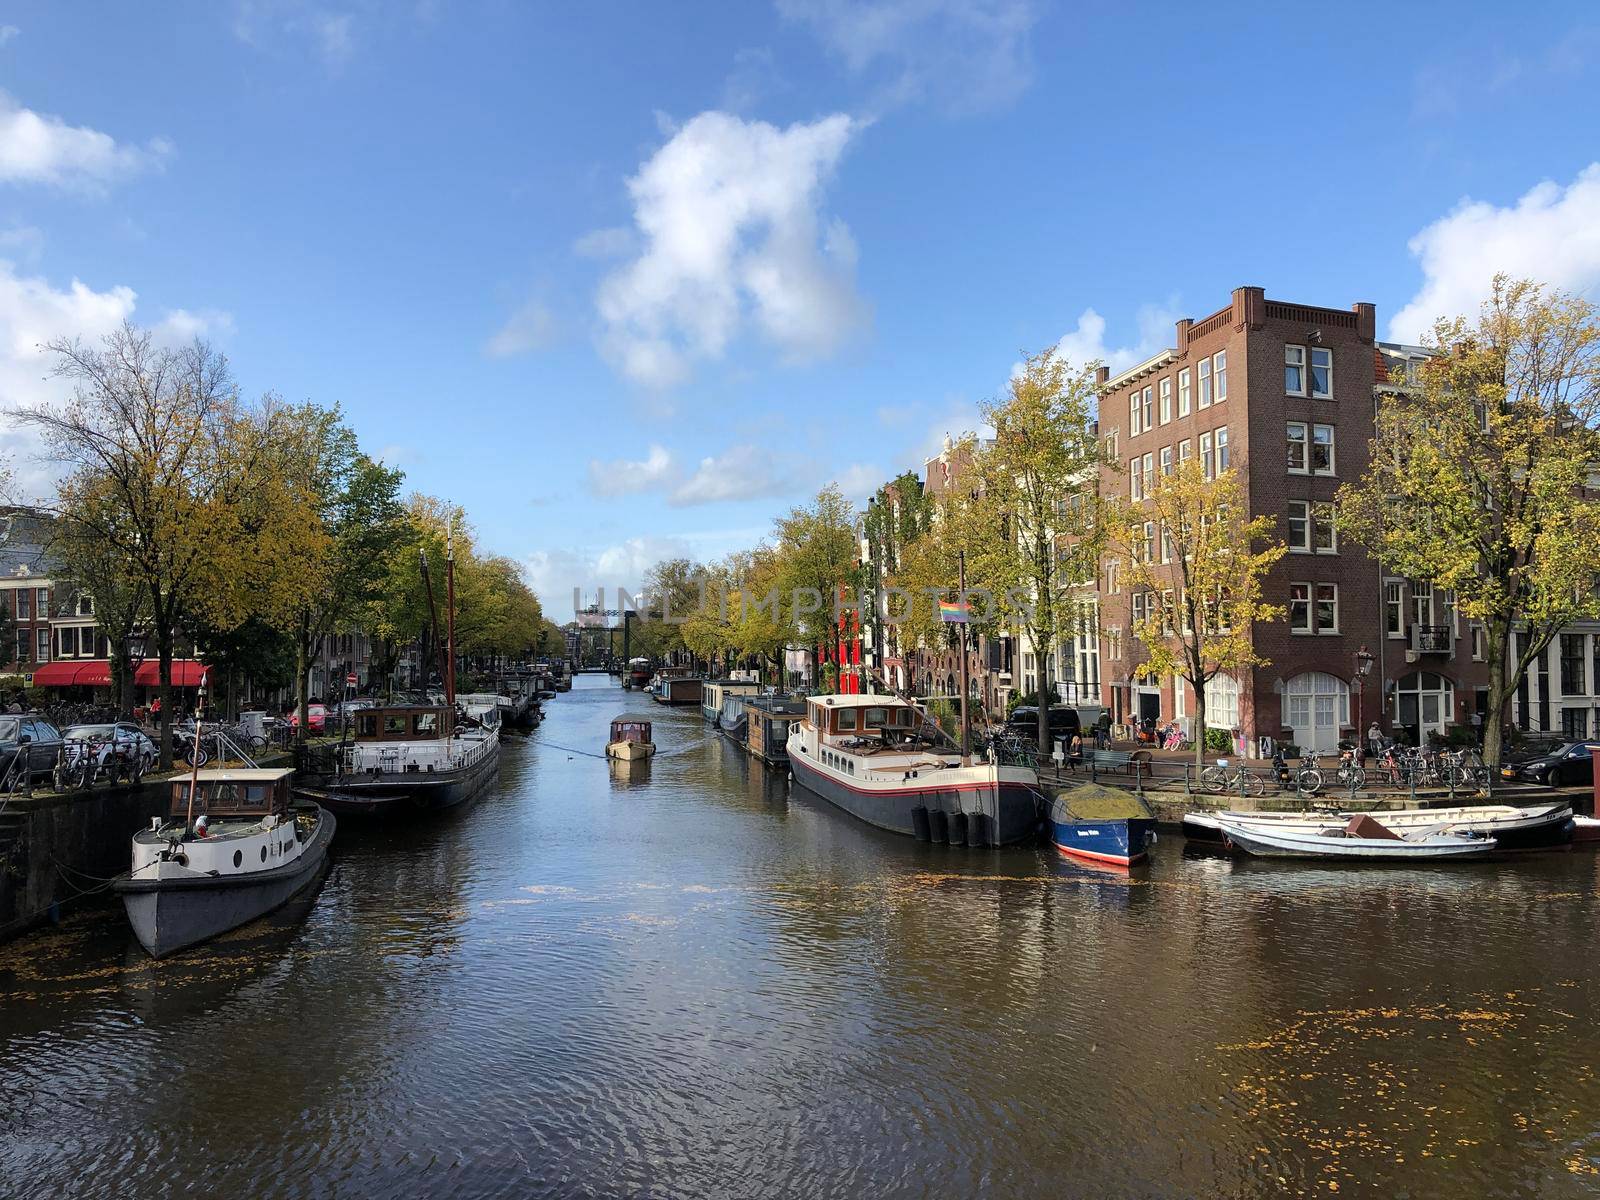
(55, 849)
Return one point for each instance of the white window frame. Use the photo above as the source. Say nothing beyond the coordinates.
(1166, 400)
(1219, 447)
(1166, 460)
(1185, 448)
(1316, 596)
(1304, 442)
(1333, 458)
(1206, 463)
(1394, 593)
(1205, 384)
(1134, 428)
(1135, 480)
(1148, 412)
(1149, 474)
(1219, 376)
(1294, 359)
(1149, 549)
(1306, 600)
(1311, 373)
(1303, 546)
(1183, 392)
(1322, 520)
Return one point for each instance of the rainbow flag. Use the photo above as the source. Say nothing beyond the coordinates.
(953, 612)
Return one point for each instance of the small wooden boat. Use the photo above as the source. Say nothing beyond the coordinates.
(232, 849)
(1362, 839)
(630, 739)
(1101, 824)
(1586, 830)
(1513, 828)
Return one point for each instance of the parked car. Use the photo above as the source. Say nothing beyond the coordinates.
(40, 739)
(1024, 719)
(132, 749)
(316, 718)
(1569, 763)
(1532, 747)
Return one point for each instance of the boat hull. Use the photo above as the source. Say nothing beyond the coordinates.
(384, 795)
(1121, 843)
(1531, 828)
(1353, 849)
(173, 914)
(630, 751)
(1009, 809)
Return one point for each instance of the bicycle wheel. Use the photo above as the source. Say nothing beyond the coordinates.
(1353, 777)
(1252, 784)
(1308, 780)
(257, 742)
(1214, 779)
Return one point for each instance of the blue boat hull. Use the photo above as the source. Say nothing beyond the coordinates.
(1122, 843)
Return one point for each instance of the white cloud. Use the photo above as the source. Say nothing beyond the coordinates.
(1087, 342)
(860, 480)
(531, 327)
(44, 149)
(7, 33)
(604, 243)
(624, 477)
(181, 325)
(1551, 234)
(32, 313)
(730, 214)
(738, 473)
(553, 574)
(971, 54)
(329, 32)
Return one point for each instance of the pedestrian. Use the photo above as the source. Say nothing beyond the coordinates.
(1374, 740)
(1477, 728)
(1102, 731)
(1075, 751)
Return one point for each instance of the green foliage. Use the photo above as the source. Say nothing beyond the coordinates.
(1219, 741)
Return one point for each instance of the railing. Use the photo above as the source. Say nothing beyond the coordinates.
(1431, 639)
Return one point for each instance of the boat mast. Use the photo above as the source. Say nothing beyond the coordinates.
(450, 612)
(194, 769)
(961, 598)
(433, 618)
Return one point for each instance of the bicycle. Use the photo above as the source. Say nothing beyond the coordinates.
(1307, 779)
(1219, 779)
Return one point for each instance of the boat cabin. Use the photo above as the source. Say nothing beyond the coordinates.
(630, 729)
(404, 723)
(679, 689)
(770, 717)
(862, 716)
(714, 692)
(246, 794)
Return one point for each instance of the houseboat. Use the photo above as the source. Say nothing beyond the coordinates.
(231, 848)
(638, 674)
(767, 722)
(676, 685)
(630, 739)
(408, 757)
(878, 759)
(484, 709)
(732, 722)
(714, 691)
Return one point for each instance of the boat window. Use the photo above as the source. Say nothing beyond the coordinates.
(847, 719)
(256, 793)
(876, 718)
(367, 725)
(395, 723)
(905, 717)
(425, 724)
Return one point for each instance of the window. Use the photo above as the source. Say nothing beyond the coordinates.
(1300, 526)
(1113, 577)
(1167, 551)
(1135, 479)
(847, 720)
(24, 604)
(1149, 541)
(1422, 603)
(1294, 370)
(1324, 537)
(22, 646)
(1183, 451)
(1299, 608)
(1183, 392)
(1147, 407)
(85, 605)
(44, 646)
(1141, 609)
(69, 643)
(1149, 473)
(1111, 444)
(1134, 427)
(1205, 383)
(1327, 608)
(1322, 450)
(43, 608)
(1221, 436)
(1572, 664)
(1166, 460)
(1321, 373)
(1219, 374)
(1478, 654)
(1114, 642)
(1222, 702)
(1297, 447)
(1166, 399)
(1205, 456)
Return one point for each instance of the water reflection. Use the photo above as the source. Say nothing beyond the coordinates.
(689, 980)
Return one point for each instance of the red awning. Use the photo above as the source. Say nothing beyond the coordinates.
(186, 672)
(66, 673)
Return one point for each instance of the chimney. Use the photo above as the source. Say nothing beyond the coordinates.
(1183, 336)
(1366, 320)
(1101, 374)
(1250, 306)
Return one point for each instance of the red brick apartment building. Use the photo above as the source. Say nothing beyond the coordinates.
(1284, 393)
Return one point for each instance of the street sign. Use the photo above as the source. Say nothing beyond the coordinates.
(351, 680)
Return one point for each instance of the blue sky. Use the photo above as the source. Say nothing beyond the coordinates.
(627, 280)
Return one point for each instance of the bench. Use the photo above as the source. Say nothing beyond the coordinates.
(1131, 761)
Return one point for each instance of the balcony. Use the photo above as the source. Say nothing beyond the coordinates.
(1431, 639)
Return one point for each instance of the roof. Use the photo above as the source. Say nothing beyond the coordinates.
(24, 537)
(845, 700)
(1139, 370)
(636, 718)
(239, 775)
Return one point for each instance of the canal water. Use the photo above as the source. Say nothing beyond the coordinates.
(687, 979)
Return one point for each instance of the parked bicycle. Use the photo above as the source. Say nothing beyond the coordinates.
(1222, 778)
(1305, 779)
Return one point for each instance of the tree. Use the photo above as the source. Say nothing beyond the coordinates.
(1480, 476)
(1196, 565)
(817, 552)
(1031, 524)
(760, 629)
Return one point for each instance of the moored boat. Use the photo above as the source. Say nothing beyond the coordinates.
(408, 758)
(629, 740)
(877, 758)
(768, 720)
(1513, 828)
(1101, 824)
(677, 689)
(232, 848)
(714, 692)
(1361, 839)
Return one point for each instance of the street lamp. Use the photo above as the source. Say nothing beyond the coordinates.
(1363, 669)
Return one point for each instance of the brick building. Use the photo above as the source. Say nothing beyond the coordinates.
(1284, 393)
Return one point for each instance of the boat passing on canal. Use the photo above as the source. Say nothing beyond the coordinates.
(231, 849)
(877, 758)
(630, 739)
(1101, 824)
(1513, 828)
(1362, 839)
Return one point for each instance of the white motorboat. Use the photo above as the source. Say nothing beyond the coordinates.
(1512, 827)
(1362, 839)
